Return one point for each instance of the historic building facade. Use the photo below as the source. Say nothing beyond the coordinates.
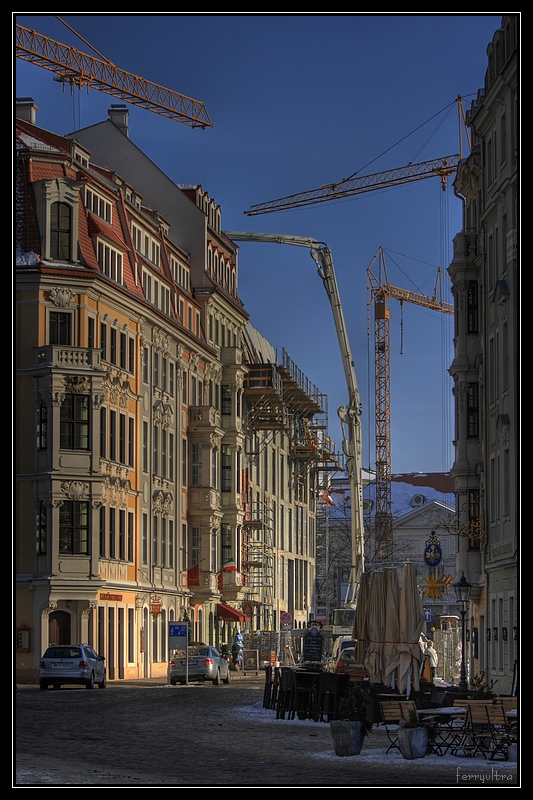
(484, 272)
(135, 441)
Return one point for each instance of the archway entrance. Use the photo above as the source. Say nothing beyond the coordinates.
(59, 628)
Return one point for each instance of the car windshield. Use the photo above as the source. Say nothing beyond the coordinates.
(63, 652)
(347, 654)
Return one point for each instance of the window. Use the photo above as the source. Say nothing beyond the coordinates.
(130, 536)
(74, 422)
(98, 205)
(42, 427)
(131, 441)
(110, 261)
(74, 528)
(59, 327)
(196, 464)
(122, 535)
(144, 542)
(122, 439)
(145, 447)
(60, 231)
(103, 432)
(472, 307)
(112, 533)
(226, 548)
(472, 403)
(41, 530)
(112, 435)
(226, 468)
(225, 400)
(103, 340)
(195, 547)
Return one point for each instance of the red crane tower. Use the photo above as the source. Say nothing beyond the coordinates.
(380, 292)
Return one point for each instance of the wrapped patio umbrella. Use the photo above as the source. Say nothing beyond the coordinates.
(391, 659)
(411, 623)
(376, 628)
(360, 626)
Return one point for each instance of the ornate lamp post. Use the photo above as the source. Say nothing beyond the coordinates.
(462, 592)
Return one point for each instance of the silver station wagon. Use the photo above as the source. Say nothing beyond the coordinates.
(204, 664)
(76, 664)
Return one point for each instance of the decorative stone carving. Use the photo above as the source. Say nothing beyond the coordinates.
(161, 341)
(75, 490)
(77, 384)
(61, 296)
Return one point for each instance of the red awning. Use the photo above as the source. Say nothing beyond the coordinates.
(230, 614)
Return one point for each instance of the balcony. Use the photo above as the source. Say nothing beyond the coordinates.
(204, 417)
(58, 356)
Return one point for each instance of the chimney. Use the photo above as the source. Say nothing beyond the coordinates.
(118, 114)
(26, 109)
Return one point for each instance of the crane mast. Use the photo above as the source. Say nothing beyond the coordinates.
(79, 69)
(350, 414)
(380, 293)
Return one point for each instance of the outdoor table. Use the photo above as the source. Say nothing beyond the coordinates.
(444, 735)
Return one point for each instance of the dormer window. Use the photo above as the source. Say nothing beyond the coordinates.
(98, 205)
(60, 231)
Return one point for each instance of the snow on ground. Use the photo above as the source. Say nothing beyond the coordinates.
(372, 754)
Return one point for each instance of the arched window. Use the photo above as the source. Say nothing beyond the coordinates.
(60, 231)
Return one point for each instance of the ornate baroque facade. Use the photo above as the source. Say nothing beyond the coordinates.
(154, 481)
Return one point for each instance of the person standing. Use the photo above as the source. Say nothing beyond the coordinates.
(431, 653)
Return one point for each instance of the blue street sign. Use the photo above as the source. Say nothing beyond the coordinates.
(427, 615)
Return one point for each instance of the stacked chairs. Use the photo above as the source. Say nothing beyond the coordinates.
(297, 694)
(267, 694)
(331, 686)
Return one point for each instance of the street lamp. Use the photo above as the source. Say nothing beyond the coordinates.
(462, 593)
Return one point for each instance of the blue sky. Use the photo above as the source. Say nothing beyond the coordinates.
(298, 101)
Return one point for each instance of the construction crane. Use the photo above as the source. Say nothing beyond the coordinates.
(347, 187)
(79, 69)
(380, 292)
(349, 414)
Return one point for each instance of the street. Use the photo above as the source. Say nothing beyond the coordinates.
(149, 734)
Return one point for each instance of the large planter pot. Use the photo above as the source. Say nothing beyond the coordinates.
(413, 742)
(347, 737)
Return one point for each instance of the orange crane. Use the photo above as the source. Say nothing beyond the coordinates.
(380, 292)
(346, 187)
(79, 69)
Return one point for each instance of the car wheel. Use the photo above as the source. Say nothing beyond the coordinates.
(43, 685)
(228, 677)
(57, 685)
(217, 680)
(90, 682)
(103, 684)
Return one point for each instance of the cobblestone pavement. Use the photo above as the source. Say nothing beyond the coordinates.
(148, 734)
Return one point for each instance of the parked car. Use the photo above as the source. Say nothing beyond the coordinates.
(76, 664)
(340, 644)
(204, 664)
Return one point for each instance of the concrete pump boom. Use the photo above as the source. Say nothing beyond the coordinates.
(350, 414)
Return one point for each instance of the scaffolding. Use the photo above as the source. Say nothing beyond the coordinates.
(258, 561)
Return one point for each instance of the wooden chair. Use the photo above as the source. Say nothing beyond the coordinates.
(475, 736)
(285, 692)
(501, 732)
(391, 714)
